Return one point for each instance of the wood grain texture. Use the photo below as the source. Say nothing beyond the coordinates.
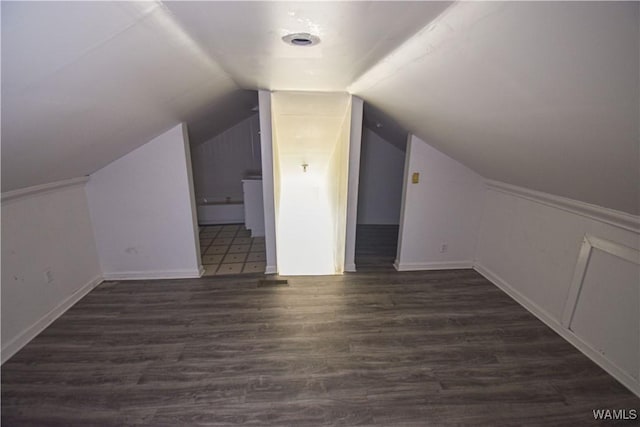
(376, 246)
(369, 348)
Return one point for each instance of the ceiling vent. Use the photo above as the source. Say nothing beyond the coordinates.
(301, 39)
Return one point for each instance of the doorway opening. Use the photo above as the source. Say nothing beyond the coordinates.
(382, 159)
(311, 134)
(230, 249)
(227, 174)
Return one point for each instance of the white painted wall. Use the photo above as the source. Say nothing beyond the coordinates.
(380, 188)
(142, 211)
(444, 208)
(44, 231)
(268, 180)
(355, 142)
(529, 244)
(221, 163)
(192, 195)
(338, 187)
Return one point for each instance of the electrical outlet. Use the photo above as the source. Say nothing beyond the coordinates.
(444, 248)
(48, 276)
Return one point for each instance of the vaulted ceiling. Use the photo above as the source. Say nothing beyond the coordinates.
(539, 94)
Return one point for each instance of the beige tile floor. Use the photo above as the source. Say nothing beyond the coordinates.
(230, 249)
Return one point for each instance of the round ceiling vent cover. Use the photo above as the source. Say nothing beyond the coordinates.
(301, 39)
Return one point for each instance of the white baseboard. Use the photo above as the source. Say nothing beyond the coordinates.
(220, 221)
(418, 266)
(156, 274)
(350, 268)
(15, 344)
(270, 269)
(565, 333)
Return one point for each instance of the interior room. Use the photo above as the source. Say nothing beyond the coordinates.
(320, 213)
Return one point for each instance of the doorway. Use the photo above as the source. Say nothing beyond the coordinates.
(382, 158)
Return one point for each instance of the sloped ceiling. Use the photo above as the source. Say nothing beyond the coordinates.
(539, 94)
(84, 83)
(543, 95)
(386, 128)
(221, 115)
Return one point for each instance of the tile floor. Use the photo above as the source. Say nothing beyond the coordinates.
(230, 249)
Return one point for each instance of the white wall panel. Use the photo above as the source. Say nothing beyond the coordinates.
(142, 212)
(440, 214)
(220, 164)
(380, 187)
(533, 247)
(45, 232)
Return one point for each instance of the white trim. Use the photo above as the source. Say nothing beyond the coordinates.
(567, 334)
(576, 283)
(220, 222)
(588, 244)
(270, 269)
(268, 189)
(353, 179)
(23, 338)
(43, 188)
(609, 216)
(403, 202)
(444, 265)
(201, 270)
(614, 248)
(155, 274)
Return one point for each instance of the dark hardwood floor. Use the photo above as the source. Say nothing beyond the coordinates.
(376, 246)
(373, 348)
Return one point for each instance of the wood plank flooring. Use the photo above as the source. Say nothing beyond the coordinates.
(376, 348)
(376, 246)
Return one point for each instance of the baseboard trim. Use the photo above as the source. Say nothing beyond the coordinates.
(421, 266)
(148, 275)
(234, 221)
(270, 269)
(557, 327)
(350, 268)
(14, 345)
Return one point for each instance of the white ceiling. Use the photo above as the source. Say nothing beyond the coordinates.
(538, 94)
(245, 37)
(545, 95)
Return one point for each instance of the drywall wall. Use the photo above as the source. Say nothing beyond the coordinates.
(355, 142)
(192, 194)
(380, 188)
(440, 214)
(337, 177)
(142, 211)
(573, 265)
(49, 258)
(220, 163)
(269, 170)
